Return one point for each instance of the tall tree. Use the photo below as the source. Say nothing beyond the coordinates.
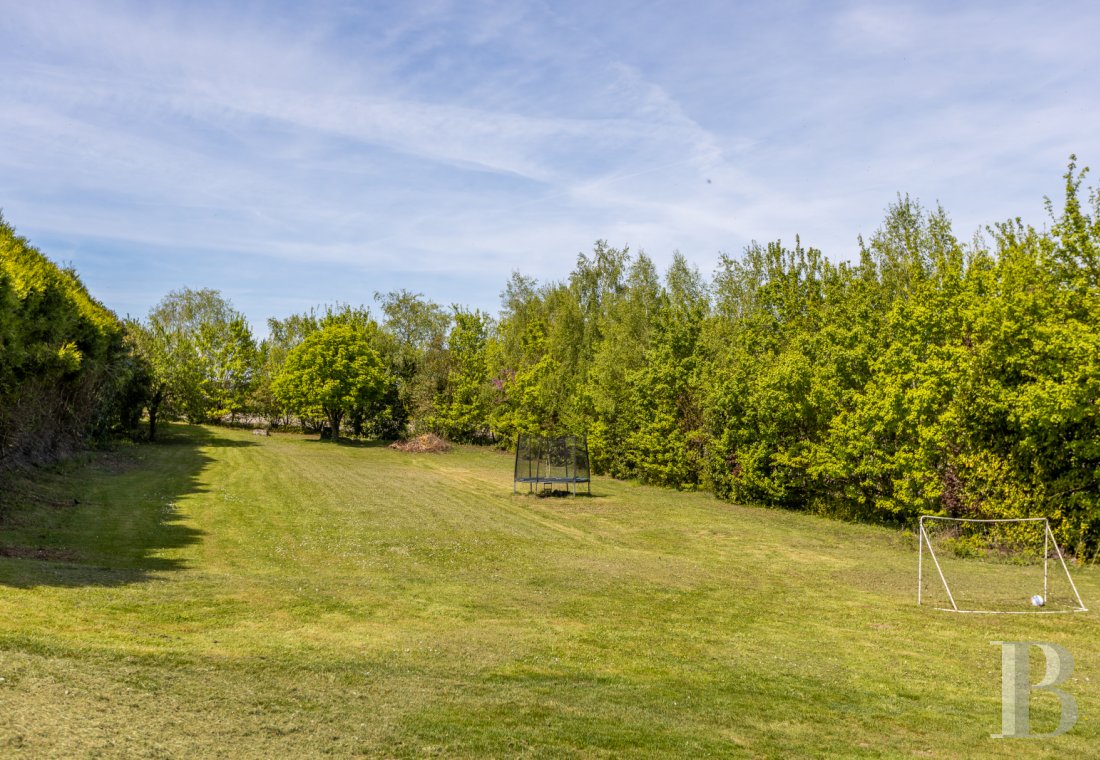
(202, 355)
(331, 373)
(414, 336)
(461, 408)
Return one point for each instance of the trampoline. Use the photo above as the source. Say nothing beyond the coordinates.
(545, 463)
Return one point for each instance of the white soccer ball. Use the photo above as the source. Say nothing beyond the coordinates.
(1037, 601)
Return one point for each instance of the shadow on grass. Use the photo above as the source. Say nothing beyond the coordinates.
(559, 494)
(351, 443)
(194, 436)
(105, 521)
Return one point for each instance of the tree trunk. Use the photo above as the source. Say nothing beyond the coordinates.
(154, 406)
(334, 423)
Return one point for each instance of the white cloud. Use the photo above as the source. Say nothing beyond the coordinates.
(880, 27)
(463, 141)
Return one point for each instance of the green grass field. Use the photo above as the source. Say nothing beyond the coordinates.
(221, 594)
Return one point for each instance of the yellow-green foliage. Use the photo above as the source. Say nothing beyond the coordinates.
(928, 377)
(331, 373)
(63, 360)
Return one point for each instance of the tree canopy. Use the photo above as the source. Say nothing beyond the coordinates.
(202, 355)
(331, 373)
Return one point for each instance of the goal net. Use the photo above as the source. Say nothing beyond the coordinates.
(1008, 566)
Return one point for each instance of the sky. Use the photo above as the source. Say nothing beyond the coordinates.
(295, 154)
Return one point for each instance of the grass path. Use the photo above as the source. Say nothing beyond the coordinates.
(221, 594)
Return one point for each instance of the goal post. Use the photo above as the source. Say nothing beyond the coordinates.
(1008, 566)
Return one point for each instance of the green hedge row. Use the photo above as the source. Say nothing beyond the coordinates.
(928, 376)
(67, 372)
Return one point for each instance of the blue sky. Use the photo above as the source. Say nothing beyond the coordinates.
(292, 154)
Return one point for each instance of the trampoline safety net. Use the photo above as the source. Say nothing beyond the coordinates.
(543, 463)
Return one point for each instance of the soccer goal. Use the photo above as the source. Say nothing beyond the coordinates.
(1001, 567)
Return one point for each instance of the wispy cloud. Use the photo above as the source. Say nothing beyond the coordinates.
(312, 152)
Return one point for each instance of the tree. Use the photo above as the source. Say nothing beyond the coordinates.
(665, 439)
(412, 342)
(626, 336)
(461, 407)
(202, 356)
(332, 372)
(283, 336)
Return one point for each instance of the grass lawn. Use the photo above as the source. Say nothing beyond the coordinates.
(221, 594)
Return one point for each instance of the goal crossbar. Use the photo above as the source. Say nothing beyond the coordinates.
(924, 540)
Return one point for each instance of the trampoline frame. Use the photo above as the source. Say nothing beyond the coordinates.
(543, 472)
